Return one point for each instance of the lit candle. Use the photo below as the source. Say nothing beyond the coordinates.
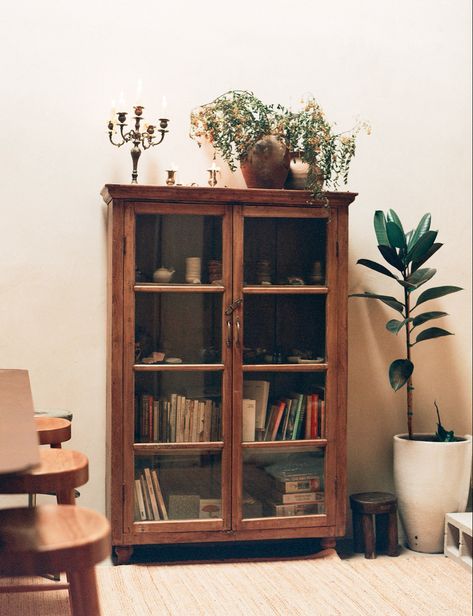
(173, 167)
(164, 105)
(121, 102)
(113, 111)
(139, 93)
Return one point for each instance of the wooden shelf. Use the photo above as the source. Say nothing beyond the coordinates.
(277, 289)
(178, 367)
(285, 367)
(319, 442)
(151, 448)
(153, 287)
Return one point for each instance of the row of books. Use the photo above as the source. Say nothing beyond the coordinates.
(176, 419)
(298, 416)
(149, 501)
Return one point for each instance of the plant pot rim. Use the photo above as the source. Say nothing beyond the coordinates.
(429, 441)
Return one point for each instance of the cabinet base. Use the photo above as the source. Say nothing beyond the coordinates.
(328, 542)
(121, 554)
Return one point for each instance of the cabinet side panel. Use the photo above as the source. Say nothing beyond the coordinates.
(114, 434)
(342, 366)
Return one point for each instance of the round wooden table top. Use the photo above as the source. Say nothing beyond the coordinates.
(51, 538)
(59, 469)
(52, 430)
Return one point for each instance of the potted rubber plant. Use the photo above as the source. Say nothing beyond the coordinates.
(264, 138)
(431, 471)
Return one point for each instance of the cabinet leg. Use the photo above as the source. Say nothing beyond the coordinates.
(368, 535)
(121, 554)
(328, 542)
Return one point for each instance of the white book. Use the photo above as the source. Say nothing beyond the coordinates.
(258, 391)
(248, 419)
(140, 500)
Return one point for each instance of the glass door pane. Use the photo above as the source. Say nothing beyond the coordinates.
(181, 366)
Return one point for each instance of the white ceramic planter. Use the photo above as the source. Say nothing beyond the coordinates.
(431, 479)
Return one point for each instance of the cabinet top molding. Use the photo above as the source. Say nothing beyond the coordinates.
(230, 196)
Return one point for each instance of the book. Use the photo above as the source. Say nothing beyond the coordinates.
(296, 509)
(297, 497)
(285, 420)
(322, 419)
(274, 420)
(297, 417)
(210, 508)
(314, 418)
(140, 500)
(303, 485)
(152, 495)
(248, 419)
(184, 506)
(146, 498)
(258, 391)
(159, 494)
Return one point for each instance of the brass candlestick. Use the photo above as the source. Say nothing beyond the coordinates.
(171, 179)
(140, 139)
(213, 172)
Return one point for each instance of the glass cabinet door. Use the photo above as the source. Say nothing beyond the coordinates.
(282, 428)
(177, 365)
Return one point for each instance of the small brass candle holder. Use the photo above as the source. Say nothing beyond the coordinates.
(213, 172)
(171, 179)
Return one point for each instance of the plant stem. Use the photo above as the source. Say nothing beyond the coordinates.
(410, 387)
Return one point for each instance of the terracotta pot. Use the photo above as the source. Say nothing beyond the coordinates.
(267, 164)
(431, 479)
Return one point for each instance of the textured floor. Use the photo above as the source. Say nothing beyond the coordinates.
(328, 585)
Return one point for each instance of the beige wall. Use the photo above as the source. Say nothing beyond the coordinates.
(403, 65)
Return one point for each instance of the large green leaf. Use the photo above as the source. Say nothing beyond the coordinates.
(380, 228)
(422, 227)
(392, 302)
(399, 372)
(427, 316)
(396, 237)
(377, 267)
(395, 326)
(421, 276)
(393, 217)
(422, 245)
(432, 332)
(433, 249)
(435, 292)
(391, 257)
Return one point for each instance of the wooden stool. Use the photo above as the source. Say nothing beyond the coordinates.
(52, 430)
(382, 506)
(59, 472)
(55, 537)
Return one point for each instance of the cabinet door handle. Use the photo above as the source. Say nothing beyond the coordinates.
(229, 333)
(237, 339)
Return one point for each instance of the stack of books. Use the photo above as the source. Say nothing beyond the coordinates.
(295, 490)
(176, 419)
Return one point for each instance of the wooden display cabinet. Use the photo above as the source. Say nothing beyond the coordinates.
(227, 385)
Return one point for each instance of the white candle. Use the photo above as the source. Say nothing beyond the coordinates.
(164, 105)
(121, 102)
(113, 112)
(139, 93)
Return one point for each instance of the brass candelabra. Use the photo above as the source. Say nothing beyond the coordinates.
(140, 139)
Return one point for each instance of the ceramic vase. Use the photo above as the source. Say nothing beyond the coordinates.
(431, 479)
(267, 164)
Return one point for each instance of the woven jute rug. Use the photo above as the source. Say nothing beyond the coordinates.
(323, 585)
